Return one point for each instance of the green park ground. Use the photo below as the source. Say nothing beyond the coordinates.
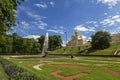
(62, 67)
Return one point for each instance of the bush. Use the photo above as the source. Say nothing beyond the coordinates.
(17, 73)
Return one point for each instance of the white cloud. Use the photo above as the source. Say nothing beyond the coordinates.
(33, 15)
(58, 27)
(82, 28)
(24, 24)
(63, 43)
(108, 22)
(42, 25)
(89, 38)
(110, 3)
(38, 19)
(56, 31)
(118, 20)
(91, 22)
(112, 20)
(41, 5)
(105, 13)
(84, 37)
(32, 36)
(116, 17)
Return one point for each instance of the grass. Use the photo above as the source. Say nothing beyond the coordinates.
(75, 50)
(3, 75)
(108, 51)
(69, 50)
(96, 71)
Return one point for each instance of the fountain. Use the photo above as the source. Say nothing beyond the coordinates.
(45, 46)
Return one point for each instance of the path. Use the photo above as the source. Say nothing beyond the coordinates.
(112, 71)
(37, 67)
(56, 74)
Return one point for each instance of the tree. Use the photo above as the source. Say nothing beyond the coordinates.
(36, 48)
(55, 41)
(101, 40)
(16, 42)
(5, 44)
(8, 10)
(41, 41)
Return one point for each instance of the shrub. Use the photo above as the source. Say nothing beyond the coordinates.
(15, 72)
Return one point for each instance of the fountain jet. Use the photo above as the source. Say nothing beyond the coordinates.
(45, 46)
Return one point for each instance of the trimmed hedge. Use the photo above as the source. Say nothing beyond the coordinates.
(15, 72)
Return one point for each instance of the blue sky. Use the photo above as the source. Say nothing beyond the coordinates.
(36, 17)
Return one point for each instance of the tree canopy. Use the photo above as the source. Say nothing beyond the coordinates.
(55, 41)
(101, 40)
(8, 10)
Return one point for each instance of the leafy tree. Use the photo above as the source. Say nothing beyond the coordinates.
(101, 40)
(16, 42)
(54, 42)
(41, 41)
(5, 44)
(8, 10)
(36, 48)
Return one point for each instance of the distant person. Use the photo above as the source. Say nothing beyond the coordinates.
(64, 49)
(79, 48)
(72, 56)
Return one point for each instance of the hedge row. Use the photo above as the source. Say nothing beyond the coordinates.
(15, 72)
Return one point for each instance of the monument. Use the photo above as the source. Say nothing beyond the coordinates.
(45, 46)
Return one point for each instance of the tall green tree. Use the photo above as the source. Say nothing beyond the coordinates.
(101, 40)
(5, 44)
(17, 41)
(55, 41)
(8, 10)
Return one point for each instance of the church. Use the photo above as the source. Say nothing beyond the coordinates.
(77, 40)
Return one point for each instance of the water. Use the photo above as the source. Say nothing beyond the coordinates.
(45, 45)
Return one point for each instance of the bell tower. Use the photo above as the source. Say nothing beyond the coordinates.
(76, 34)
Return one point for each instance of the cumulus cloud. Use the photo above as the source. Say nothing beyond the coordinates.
(82, 28)
(33, 36)
(41, 5)
(110, 3)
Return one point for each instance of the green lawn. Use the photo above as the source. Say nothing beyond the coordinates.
(76, 50)
(96, 71)
(3, 76)
(69, 50)
(108, 51)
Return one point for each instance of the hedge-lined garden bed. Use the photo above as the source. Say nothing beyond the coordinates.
(15, 72)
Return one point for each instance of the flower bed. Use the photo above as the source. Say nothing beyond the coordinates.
(15, 72)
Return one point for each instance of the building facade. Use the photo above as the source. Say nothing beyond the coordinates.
(77, 40)
(116, 38)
